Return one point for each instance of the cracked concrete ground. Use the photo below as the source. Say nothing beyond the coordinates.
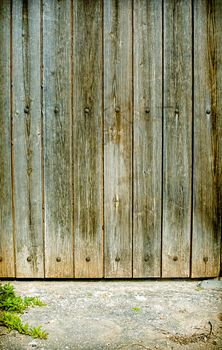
(124, 315)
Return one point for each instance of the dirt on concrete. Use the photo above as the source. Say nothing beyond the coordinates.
(126, 315)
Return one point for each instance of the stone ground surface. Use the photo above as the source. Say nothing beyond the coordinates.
(126, 315)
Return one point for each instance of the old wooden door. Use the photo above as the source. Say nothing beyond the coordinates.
(110, 138)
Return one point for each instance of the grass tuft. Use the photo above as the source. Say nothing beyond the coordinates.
(11, 305)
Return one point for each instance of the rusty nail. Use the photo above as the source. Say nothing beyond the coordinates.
(205, 259)
(87, 258)
(26, 109)
(208, 111)
(117, 259)
(1, 258)
(58, 259)
(175, 258)
(117, 109)
(147, 110)
(29, 258)
(86, 110)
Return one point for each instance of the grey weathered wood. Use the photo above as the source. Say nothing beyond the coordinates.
(118, 137)
(177, 159)
(6, 225)
(207, 188)
(147, 150)
(27, 138)
(88, 139)
(57, 138)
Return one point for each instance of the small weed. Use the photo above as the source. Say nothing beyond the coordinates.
(11, 305)
(136, 308)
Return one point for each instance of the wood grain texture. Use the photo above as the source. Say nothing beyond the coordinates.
(118, 138)
(57, 138)
(27, 138)
(6, 225)
(88, 139)
(147, 138)
(177, 157)
(207, 188)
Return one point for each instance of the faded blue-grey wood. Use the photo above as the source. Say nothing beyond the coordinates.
(6, 224)
(177, 146)
(27, 138)
(118, 138)
(147, 151)
(207, 186)
(88, 139)
(57, 138)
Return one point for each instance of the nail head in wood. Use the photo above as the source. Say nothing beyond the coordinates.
(147, 110)
(1, 259)
(205, 259)
(208, 111)
(177, 111)
(58, 259)
(29, 259)
(26, 109)
(86, 110)
(146, 258)
(175, 258)
(56, 110)
(117, 109)
(117, 259)
(87, 258)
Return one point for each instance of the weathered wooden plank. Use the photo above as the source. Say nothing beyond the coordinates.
(88, 139)
(177, 160)
(147, 176)
(118, 137)
(57, 138)
(6, 226)
(207, 188)
(27, 138)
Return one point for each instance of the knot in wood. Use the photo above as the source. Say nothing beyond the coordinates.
(1, 259)
(146, 259)
(117, 109)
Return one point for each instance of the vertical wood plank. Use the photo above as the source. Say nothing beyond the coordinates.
(177, 159)
(27, 138)
(118, 137)
(87, 139)
(6, 226)
(57, 138)
(207, 187)
(147, 138)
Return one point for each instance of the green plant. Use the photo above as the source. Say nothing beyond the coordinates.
(11, 305)
(136, 308)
